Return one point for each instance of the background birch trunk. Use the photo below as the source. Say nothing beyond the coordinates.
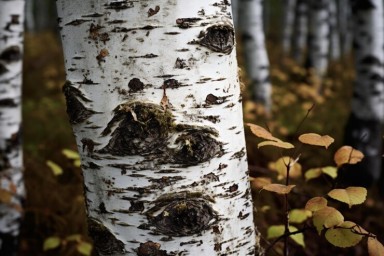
(11, 175)
(153, 97)
(334, 51)
(318, 48)
(300, 31)
(255, 54)
(288, 24)
(345, 24)
(364, 127)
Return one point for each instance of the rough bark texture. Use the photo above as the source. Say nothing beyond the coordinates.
(318, 36)
(255, 54)
(363, 130)
(154, 100)
(11, 176)
(300, 31)
(288, 23)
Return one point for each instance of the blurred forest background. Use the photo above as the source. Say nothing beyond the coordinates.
(55, 204)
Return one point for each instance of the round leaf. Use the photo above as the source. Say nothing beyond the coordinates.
(279, 188)
(343, 235)
(260, 132)
(375, 248)
(316, 139)
(299, 215)
(327, 217)
(275, 231)
(312, 173)
(84, 248)
(55, 168)
(350, 195)
(260, 182)
(330, 171)
(279, 144)
(347, 155)
(51, 243)
(281, 167)
(316, 203)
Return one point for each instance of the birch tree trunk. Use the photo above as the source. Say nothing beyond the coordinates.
(255, 54)
(235, 12)
(300, 32)
(154, 101)
(345, 24)
(334, 51)
(364, 127)
(318, 36)
(288, 24)
(11, 168)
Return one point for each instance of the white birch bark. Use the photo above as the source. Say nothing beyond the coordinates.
(334, 51)
(300, 31)
(288, 24)
(345, 26)
(11, 167)
(319, 36)
(255, 54)
(153, 97)
(364, 128)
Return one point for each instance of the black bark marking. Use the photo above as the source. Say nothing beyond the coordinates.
(195, 146)
(93, 166)
(135, 85)
(8, 103)
(182, 214)
(88, 144)
(10, 54)
(186, 22)
(3, 69)
(77, 22)
(104, 241)
(123, 29)
(76, 111)
(370, 60)
(146, 56)
(218, 38)
(213, 119)
(152, 12)
(15, 20)
(136, 206)
(362, 5)
(171, 84)
(150, 249)
(180, 63)
(93, 15)
(233, 188)
(102, 208)
(143, 128)
(119, 5)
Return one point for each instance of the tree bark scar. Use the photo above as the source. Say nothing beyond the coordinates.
(11, 54)
(150, 249)
(218, 38)
(76, 111)
(182, 214)
(104, 241)
(119, 5)
(135, 85)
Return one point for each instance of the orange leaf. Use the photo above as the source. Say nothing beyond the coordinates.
(316, 139)
(260, 182)
(375, 248)
(316, 203)
(261, 132)
(347, 155)
(279, 188)
(327, 217)
(279, 144)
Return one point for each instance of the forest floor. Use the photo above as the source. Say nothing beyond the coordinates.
(55, 203)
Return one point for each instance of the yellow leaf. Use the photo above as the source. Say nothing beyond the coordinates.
(327, 217)
(312, 173)
(330, 171)
(343, 235)
(51, 243)
(75, 237)
(275, 231)
(260, 132)
(279, 144)
(316, 139)
(265, 208)
(279, 188)
(299, 215)
(350, 195)
(281, 167)
(260, 182)
(375, 248)
(70, 154)
(316, 203)
(55, 168)
(347, 155)
(84, 248)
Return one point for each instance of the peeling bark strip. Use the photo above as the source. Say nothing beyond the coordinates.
(11, 167)
(163, 158)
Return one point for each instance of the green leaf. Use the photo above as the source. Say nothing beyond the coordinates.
(70, 154)
(84, 248)
(343, 235)
(327, 217)
(275, 231)
(330, 171)
(51, 243)
(350, 195)
(316, 203)
(312, 173)
(299, 215)
(77, 163)
(75, 237)
(56, 169)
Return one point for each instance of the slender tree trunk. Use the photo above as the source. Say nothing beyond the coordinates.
(345, 26)
(255, 54)
(318, 36)
(11, 167)
(334, 51)
(300, 31)
(288, 24)
(154, 101)
(235, 12)
(364, 126)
